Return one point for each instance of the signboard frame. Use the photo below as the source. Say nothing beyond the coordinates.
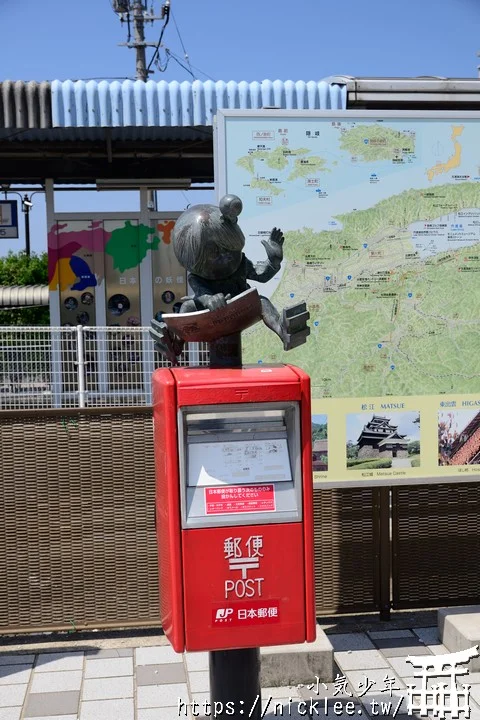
(221, 184)
(10, 232)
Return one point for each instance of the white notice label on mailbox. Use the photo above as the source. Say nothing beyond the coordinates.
(242, 461)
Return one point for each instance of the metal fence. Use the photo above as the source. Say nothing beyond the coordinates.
(62, 367)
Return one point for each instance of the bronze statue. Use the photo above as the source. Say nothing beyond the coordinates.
(208, 242)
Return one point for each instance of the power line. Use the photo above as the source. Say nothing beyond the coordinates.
(128, 10)
(107, 77)
(185, 54)
(135, 14)
(177, 59)
(170, 54)
(166, 11)
(158, 64)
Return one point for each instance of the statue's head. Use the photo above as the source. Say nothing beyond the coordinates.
(207, 239)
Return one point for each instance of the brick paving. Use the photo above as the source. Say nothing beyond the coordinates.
(151, 683)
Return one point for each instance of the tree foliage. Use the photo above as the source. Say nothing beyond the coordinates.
(18, 269)
(319, 431)
(414, 447)
(352, 450)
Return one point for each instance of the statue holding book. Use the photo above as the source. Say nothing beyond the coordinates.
(208, 242)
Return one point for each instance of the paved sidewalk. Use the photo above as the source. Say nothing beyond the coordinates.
(154, 683)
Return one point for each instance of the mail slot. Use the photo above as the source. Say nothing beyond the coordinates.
(234, 506)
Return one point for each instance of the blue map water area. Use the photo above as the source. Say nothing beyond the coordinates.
(82, 271)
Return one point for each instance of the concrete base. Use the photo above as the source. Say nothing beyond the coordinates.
(297, 664)
(459, 629)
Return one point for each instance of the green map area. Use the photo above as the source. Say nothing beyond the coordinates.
(300, 161)
(129, 245)
(304, 167)
(372, 143)
(386, 319)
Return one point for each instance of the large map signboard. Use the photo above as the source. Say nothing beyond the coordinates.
(381, 216)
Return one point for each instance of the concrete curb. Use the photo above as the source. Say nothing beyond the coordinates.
(459, 629)
(297, 664)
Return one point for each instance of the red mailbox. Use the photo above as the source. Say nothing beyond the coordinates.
(234, 506)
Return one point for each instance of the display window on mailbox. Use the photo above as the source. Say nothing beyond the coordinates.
(240, 466)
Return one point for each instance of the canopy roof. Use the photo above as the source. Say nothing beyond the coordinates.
(76, 131)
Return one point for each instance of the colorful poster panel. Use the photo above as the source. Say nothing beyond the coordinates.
(77, 265)
(169, 277)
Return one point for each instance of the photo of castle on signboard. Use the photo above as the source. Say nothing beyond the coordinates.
(380, 441)
(459, 437)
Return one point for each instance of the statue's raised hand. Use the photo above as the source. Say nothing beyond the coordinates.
(274, 247)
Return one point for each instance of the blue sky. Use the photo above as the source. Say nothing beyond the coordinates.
(253, 40)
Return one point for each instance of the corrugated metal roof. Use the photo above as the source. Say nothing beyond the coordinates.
(80, 104)
(79, 110)
(187, 104)
(92, 104)
(25, 104)
(398, 93)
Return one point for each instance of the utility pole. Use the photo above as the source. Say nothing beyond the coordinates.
(138, 27)
(137, 10)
